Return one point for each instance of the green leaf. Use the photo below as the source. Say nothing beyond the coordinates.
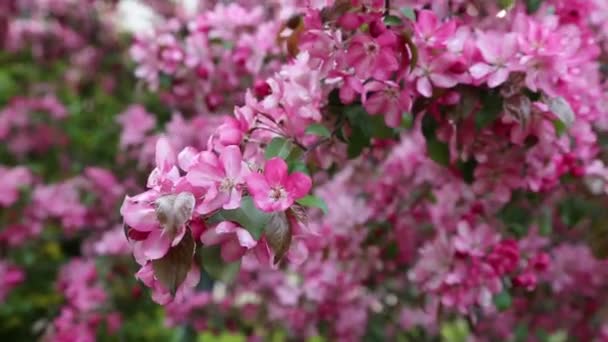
(438, 151)
(533, 5)
(491, 107)
(468, 170)
(564, 113)
(298, 166)
(392, 20)
(457, 331)
(379, 127)
(409, 13)
(313, 201)
(545, 224)
(224, 337)
(560, 127)
(216, 267)
(172, 269)
(357, 141)
(318, 129)
(407, 120)
(247, 216)
(558, 336)
(278, 147)
(506, 4)
(502, 301)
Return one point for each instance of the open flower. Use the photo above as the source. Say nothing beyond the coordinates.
(276, 190)
(159, 222)
(222, 177)
(234, 240)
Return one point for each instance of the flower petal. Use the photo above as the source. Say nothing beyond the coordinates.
(232, 158)
(275, 171)
(156, 245)
(298, 185)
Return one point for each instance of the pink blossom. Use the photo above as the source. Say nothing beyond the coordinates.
(160, 294)
(222, 176)
(275, 189)
(498, 59)
(373, 57)
(234, 240)
(388, 99)
(135, 122)
(11, 180)
(430, 31)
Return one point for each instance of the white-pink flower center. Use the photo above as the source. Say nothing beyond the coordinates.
(277, 193)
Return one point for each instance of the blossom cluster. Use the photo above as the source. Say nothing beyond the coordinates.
(351, 169)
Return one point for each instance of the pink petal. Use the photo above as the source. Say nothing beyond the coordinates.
(232, 250)
(232, 158)
(139, 216)
(165, 156)
(480, 70)
(257, 185)
(443, 81)
(488, 44)
(498, 77)
(193, 277)
(212, 203)
(376, 104)
(245, 238)
(298, 185)
(226, 227)
(275, 171)
(234, 200)
(211, 237)
(426, 22)
(186, 158)
(423, 85)
(156, 245)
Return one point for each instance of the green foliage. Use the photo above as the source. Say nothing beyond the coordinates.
(278, 147)
(491, 107)
(533, 5)
(409, 13)
(455, 331)
(247, 216)
(318, 129)
(503, 300)
(313, 201)
(365, 127)
(218, 269)
(392, 20)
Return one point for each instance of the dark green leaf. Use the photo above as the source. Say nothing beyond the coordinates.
(172, 269)
(533, 5)
(298, 166)
(438, 151)
(278, 147)
(278, 235)
(407, 120)
(491, 107)
(506, 4)
(318, 129)
(392, 20)
(545, 224)
(357, 141)
(313, 201)
(247, 216)
(468, 170)
(218, 269)
(502, 301)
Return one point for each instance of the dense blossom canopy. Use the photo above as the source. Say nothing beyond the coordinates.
(352, 169)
